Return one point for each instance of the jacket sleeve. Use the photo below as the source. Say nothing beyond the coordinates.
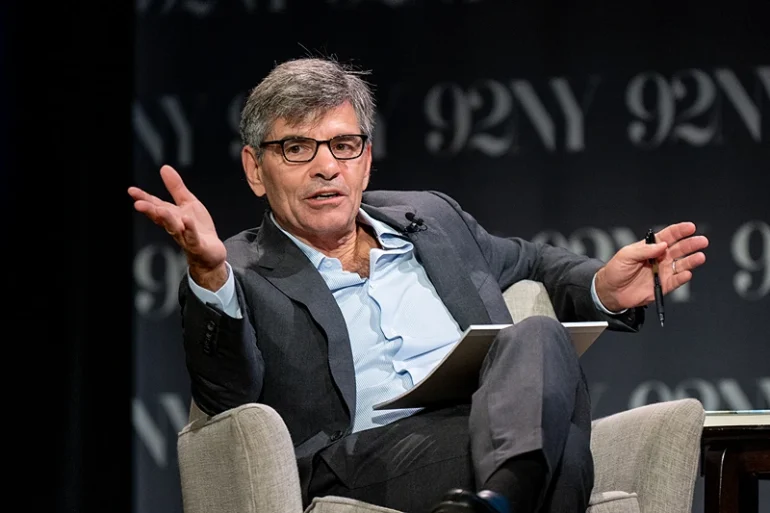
(225, 365)
(566, 276)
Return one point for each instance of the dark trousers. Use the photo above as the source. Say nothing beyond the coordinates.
(532, 396)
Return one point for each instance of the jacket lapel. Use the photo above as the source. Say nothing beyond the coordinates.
(441, 263)
(287, 268)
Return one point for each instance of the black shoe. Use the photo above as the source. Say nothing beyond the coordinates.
(463, 501)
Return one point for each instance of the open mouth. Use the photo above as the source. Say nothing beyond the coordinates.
(325, 195)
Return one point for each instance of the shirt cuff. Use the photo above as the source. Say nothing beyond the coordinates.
(225, 298)
(598, 303)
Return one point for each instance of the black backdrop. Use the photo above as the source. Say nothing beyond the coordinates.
(481, 99)
(67, 253)
(582, 127)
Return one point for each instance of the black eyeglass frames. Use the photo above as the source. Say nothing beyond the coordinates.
(304, 149)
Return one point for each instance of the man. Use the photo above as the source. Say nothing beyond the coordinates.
(341, 300)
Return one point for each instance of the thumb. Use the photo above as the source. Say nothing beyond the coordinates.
(175, 186)
(641, 251)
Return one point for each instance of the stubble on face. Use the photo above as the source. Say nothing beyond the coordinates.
(318, 201)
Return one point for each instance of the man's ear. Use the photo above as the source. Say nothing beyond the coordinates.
(253, 169)
(368, 156)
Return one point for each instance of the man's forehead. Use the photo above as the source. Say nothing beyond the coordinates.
(339, 117)
(303, 123)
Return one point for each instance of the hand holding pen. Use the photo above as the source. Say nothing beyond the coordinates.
(658, 289)
(625, 281)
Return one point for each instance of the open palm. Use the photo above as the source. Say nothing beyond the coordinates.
(186, 220)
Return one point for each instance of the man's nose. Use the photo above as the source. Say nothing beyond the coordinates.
(324, 163)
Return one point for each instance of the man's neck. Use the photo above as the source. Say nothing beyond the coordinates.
(351, 249)
(354, 255)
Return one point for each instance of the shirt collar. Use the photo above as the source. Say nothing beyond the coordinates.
(388, 237)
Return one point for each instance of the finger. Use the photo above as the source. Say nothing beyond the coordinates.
(171, 220)
(150, 210)
(689, 263)
(677, 280)
(641, 251)
(676, 232)
(161, 213)
(687, 246)
(145, 207)
(153, 207)
(165, 217)
(136, 193)
(139, 195)
(175, 185)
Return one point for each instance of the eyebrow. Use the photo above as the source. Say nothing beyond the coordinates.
(293, 136)
(297, 136)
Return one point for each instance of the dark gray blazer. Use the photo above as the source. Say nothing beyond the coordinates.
(291, 350)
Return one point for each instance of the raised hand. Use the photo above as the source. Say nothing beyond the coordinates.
(191, 226)
(626, 281)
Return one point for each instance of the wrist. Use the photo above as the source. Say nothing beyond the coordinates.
(209, 279)
(603, 292)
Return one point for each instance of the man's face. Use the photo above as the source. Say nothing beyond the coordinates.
(316, 199)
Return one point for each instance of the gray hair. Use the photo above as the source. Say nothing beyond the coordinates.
(301, 90)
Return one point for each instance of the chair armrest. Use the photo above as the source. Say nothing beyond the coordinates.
(526, 298)
(239, 461)
(653, 450)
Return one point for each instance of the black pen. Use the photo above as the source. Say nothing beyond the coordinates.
(650, 239)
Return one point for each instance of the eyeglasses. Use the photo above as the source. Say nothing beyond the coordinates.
(304, 149)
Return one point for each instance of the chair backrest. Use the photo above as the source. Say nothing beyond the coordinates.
(195, 412)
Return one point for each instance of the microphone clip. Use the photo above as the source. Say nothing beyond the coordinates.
(416, 224)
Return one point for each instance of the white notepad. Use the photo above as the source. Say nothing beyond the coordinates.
(456, 377)
(730, 418)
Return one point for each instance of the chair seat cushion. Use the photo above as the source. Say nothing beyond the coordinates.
(614, 502)
(606, 502)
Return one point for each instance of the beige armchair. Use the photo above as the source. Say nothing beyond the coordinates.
(242, 460)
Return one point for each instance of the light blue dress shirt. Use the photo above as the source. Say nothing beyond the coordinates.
(399, 328)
